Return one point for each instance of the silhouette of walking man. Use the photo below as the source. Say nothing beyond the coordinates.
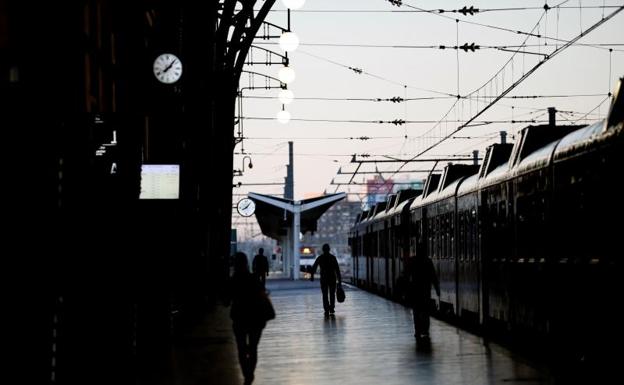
(330, 273)
(422, 276)
(247, 323)
(260, 266)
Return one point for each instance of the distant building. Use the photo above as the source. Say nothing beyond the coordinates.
(377, 190)
(418, 184)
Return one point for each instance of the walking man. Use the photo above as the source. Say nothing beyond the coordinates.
(260, 266)
(330, 274)
(422, 276)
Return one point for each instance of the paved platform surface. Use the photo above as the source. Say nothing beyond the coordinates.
(369, 341)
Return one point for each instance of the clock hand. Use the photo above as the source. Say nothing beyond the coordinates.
(247, 205)
(169, 66)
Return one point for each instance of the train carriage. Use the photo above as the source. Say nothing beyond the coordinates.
(527, 245)
(418, 230)
(379, 253)
(398, 238)
(374, 232)
(586, 169)
(441, 221)
(468, 251)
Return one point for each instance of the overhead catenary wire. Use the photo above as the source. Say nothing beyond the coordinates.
(531, 34)
(396, 122)
(510, 88)
(362, 72)
(395, 99)
(407, 11)
(443, 47)
(526, 75)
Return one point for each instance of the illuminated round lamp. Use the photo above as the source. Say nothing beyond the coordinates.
(286, 75)
(283, 116)
(286, 96)
(293, 4)
(289, 41)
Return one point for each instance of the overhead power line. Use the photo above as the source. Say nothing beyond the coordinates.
(398, 99)
(481, 10)
(546, 8)
(515, 84)
(444, 46)
(359, 71)
(398, 122)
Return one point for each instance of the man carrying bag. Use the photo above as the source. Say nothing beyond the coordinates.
(330, 273)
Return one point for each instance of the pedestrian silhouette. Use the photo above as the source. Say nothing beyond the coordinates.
(247, 322)
(330, 274)
(260, 266)
(421, 276)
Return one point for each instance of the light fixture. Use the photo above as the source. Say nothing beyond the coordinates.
(250, 165)
(283, 116)
(286, 75)
(289, 41)
(293, 4)
(286, 96)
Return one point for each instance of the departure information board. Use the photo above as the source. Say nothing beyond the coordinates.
(160, 181)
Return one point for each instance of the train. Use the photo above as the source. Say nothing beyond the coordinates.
(525, 244)
(307, 256)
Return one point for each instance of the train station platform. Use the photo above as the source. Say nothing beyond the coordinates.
(369, 341)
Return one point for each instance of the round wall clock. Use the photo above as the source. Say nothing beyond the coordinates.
(246, 207)
(167, 68)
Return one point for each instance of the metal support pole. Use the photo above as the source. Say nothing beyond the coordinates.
(287, 252)
(296, 229)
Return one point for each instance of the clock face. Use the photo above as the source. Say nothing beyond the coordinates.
(167, 68)
(246, 207)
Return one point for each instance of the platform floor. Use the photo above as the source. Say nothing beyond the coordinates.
(369, 341)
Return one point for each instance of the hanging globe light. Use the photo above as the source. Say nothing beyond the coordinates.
(286, 96)
(293, 4)
(289, 41)
(283, 116)
(286, 75)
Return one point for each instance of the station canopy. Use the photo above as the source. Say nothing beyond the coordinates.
(275, 215)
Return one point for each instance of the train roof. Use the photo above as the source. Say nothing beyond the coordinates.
(448, 191)
(537, 159)
(456, 172)
(453, 176)
(532, 138)
(390, 203)
(494, 163)
(431, 185)
(364, 217)
(469, 184)
(404, 198)
(495, 155)
(585, 138)
(495, 176)
(401, 206)
(616, 111)
(379, 210)
(579, 140)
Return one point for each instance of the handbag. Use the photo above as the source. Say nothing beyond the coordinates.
(265, 308)
(340, 294)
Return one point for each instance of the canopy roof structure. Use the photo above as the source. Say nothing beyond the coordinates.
(275, 215)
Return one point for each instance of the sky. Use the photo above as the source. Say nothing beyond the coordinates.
(396, 49)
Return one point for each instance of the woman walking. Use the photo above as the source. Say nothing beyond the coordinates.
(246, 293)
